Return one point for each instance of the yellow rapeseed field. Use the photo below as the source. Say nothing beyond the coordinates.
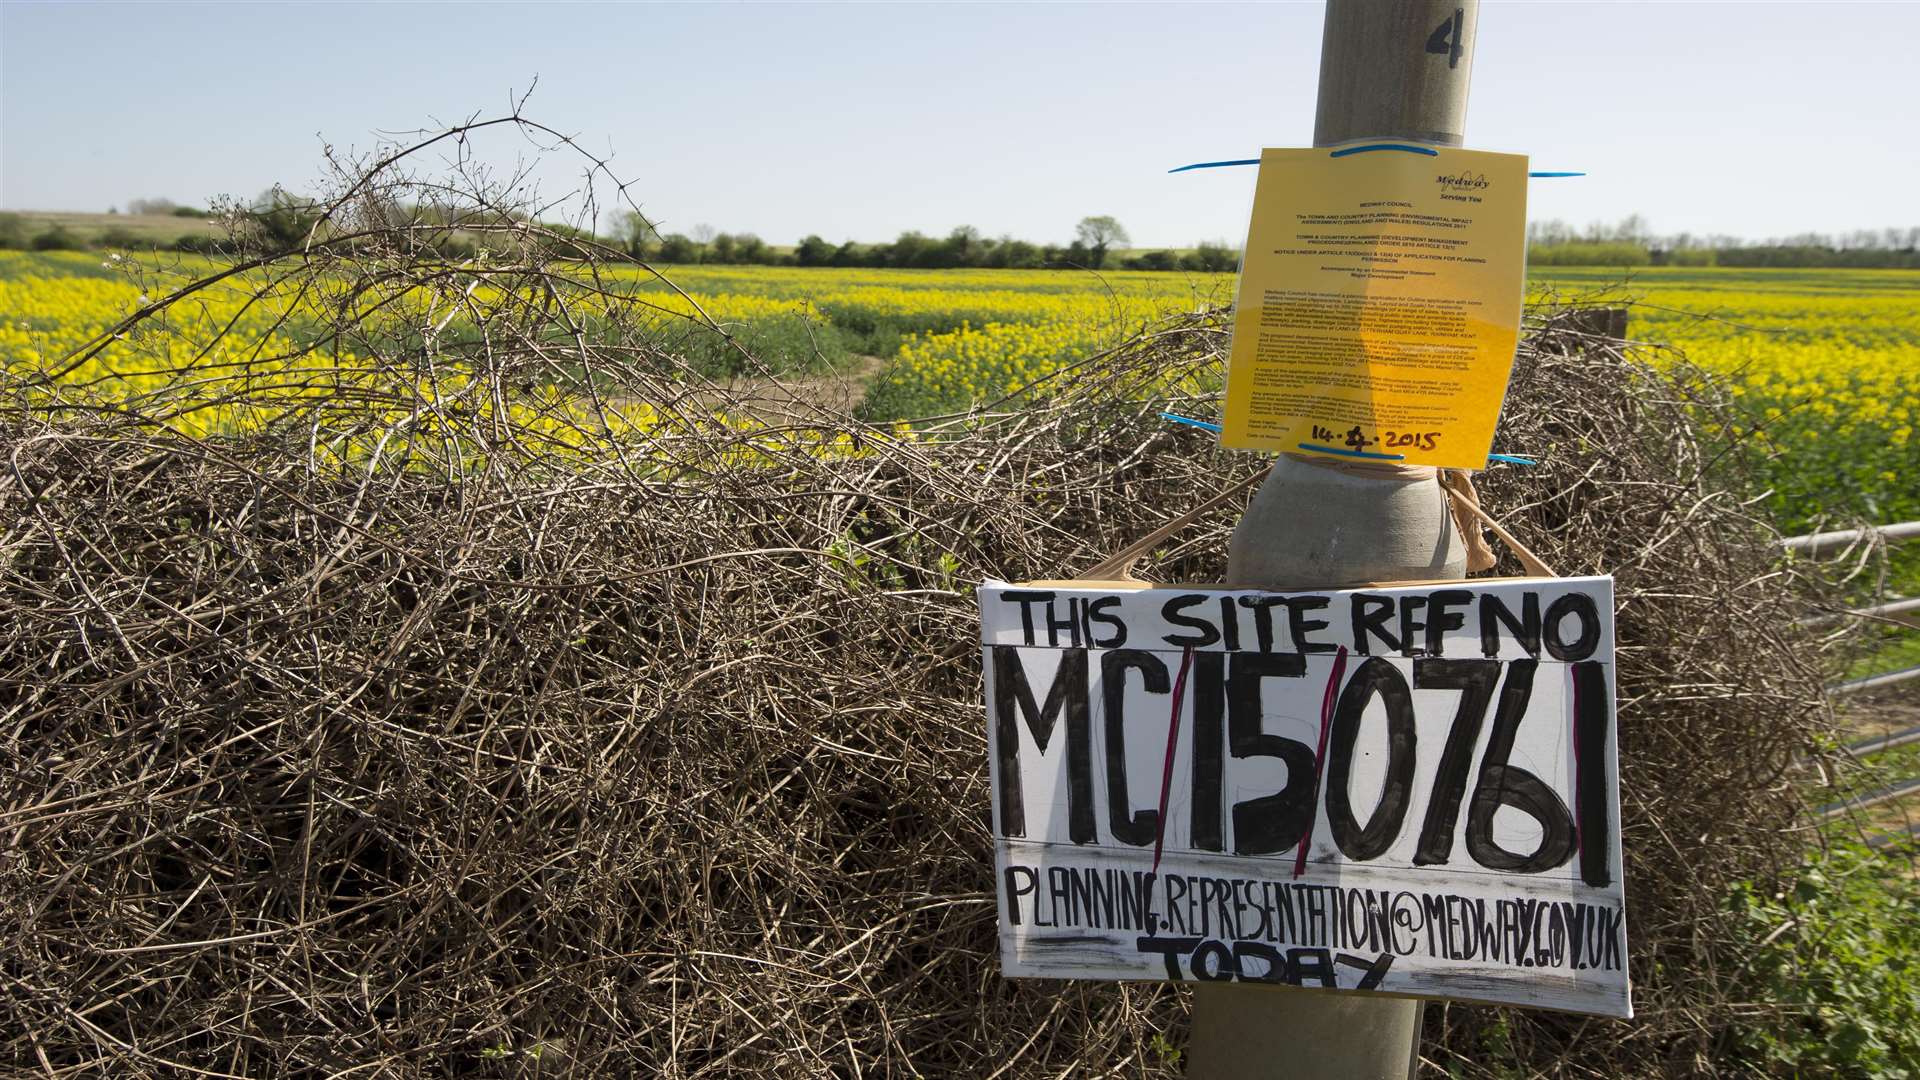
(1827, 362)
(236, 359)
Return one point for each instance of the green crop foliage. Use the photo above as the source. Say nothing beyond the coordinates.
(1824, 364)
(1838, 952)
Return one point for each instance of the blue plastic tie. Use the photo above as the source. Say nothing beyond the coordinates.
(1344, 151)
(1215, 165)
(1191, 422)
(1208, 425)
(1318, 449)
(1337, 153)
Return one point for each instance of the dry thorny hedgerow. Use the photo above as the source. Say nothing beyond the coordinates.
(437, 724)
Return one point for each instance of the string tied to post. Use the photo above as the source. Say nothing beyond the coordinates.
(1463, 503)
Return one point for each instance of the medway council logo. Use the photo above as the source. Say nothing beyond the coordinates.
(1465, 181)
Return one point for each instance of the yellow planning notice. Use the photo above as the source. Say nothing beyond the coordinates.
(1379, 304)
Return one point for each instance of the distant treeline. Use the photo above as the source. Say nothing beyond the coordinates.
(16, 235)
(279, 219)
(1630, 243)
(963, 248)
(276, 218)
(1099, 243)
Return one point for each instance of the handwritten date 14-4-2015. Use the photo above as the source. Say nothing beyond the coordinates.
(1358, 440)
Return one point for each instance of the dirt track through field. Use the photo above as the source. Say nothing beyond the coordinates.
(840, 391)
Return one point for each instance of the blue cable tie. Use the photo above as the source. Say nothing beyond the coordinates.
(1215, 165)
(1409, 148)
(1256, 161)
(1191, 422)
(1318, 449)
(1208, 425)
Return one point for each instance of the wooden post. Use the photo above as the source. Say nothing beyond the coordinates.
(1388, 69)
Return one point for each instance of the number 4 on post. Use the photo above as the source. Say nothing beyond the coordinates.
(1447, 38)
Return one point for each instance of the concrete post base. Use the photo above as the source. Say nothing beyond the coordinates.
(1313, 527)
(1241, 1031)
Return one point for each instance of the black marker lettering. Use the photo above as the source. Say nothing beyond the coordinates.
(1376, 969)
(1171, 611)
(1475, 679)
(1592, 733)
(1025, 599)
(1374, 678)
(1502, 784)
(1224, 967)
(1171, 949)
(1269, 823)
(1300, 628)
(1027, 884)
(1411, 625)
(1370, 615)
(1070, 624)
(1208, 705)
(1129, 826)
(1013, 698)
(1262, 608)
(1096, 613)
(1276, 968)
(1582, 646)
(1525, 630)
(1440, 620)
(1303, 964)
(1229, 624)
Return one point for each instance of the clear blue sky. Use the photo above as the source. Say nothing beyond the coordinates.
(859, 121)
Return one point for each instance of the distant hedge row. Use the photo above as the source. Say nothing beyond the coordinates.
(16, 236)
(967, 249)
(1632, 253)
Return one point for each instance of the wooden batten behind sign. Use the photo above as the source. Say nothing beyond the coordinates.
(1409, 789)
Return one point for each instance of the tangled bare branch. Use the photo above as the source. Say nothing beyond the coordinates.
(412, 663)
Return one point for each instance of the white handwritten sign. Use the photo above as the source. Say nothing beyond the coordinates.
(1409, 790)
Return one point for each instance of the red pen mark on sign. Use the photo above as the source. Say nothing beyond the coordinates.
(1320, 755)
(1166, 770)
(1579, 806)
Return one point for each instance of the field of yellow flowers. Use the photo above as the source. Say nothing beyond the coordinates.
(1826, 362)
(238, 358)
(952, 336)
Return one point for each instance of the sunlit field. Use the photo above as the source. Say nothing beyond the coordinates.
(1827, 362)
(238, 358)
